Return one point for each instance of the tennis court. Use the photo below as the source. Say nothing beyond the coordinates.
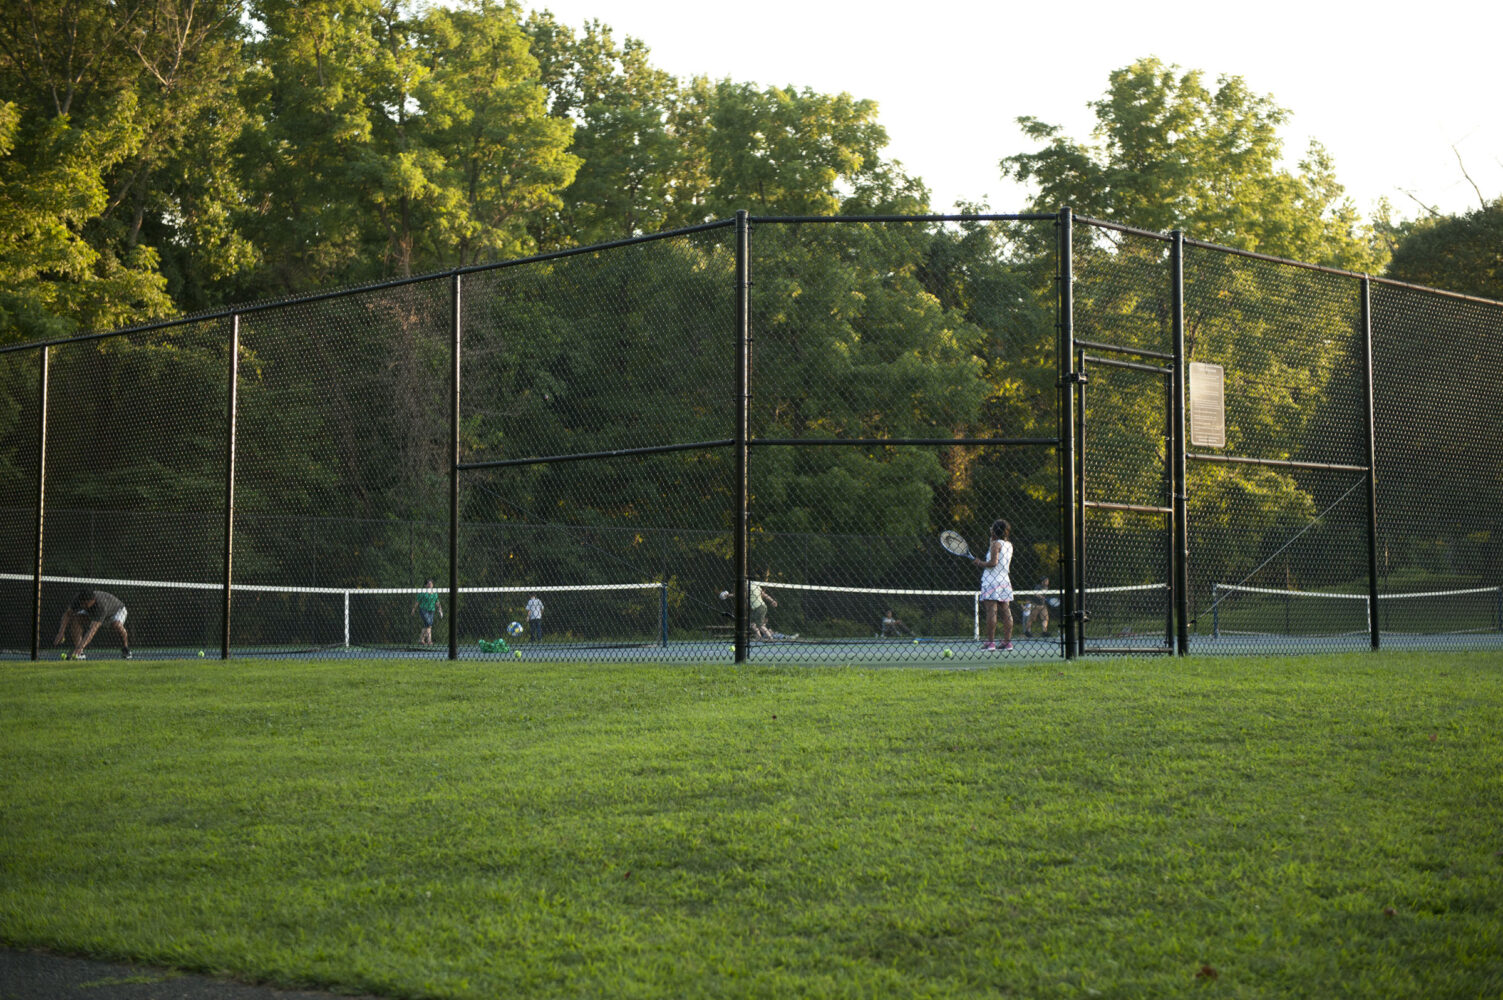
(814, 624)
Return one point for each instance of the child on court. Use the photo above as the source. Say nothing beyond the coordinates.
(425, 607)
(996, 584)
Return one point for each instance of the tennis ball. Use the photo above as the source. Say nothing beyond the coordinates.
(200, 654)
(517, 653)
(915, 642)
(62, 656)
(948, 654)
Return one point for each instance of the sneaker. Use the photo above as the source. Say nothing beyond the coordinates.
(1028, 635)
(125, 654)
(990, 645)
(1006, 645)
(78, 656)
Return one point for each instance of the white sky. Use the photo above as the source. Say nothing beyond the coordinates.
(1387, 89)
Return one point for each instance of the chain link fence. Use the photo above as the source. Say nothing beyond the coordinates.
(740, 441)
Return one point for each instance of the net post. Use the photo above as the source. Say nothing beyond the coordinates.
(232, 420)
(1181, 519)
(43, 375)
(1081, 548)
(346, 619)
(663, 615)
(1065, 305)
(743, 406)
(456, 316)
(1215, 611)
(1372, 456)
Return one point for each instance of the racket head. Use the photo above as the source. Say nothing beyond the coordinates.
(952, 543)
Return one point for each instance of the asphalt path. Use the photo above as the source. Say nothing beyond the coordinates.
(30, 975)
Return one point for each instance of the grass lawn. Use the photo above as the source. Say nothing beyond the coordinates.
(1291, 827)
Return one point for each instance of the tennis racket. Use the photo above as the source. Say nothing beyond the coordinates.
(952, 543)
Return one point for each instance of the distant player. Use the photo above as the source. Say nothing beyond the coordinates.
(1036, 612)
(426, 607)
(93, 608)
(757, 600)
(893, 625)
(535, 618)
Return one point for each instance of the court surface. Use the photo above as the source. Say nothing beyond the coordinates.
(927, 652)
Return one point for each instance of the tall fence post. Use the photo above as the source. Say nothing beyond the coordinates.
(1180, 504)
(456, 319)
(1067, 501)
(232, 418)
(743, 409)
(1374, 625)
(41, 518)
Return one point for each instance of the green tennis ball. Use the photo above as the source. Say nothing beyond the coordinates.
(62, 656)
(948, 654)
(915, 642)
(200, 654)
(517, 653)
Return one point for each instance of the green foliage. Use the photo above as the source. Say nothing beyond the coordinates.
(1458, 253)
(115, 176)
(395, 143)
(1171, 153)
(633, 175)
(53, 182)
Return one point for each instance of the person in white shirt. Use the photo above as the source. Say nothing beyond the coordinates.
(535, 618)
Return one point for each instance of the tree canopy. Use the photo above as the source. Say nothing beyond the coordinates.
(1171, 152)
(1458, 253)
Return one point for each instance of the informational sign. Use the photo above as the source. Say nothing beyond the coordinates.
(1207, 405)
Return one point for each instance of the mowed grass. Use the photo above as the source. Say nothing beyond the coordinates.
(1301, 827)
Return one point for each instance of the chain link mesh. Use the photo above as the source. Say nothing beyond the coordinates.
(1439, 381)
(903, 379)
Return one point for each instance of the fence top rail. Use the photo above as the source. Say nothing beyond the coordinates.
(1270, 258)
(979, 217)
(230, 312)
(312, 297)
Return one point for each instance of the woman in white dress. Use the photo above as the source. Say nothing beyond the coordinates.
(996, 584)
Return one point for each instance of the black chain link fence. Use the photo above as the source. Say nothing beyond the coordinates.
(677, 448)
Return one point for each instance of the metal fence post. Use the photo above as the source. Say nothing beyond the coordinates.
(743, 408)
(1067, 500)
(1372, 460)
(456, 317)
(1180, 504)
(36, 617)
(232, 417)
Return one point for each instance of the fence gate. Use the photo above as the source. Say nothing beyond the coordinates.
(1123, 504)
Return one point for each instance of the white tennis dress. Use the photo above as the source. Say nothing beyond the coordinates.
(996, 583)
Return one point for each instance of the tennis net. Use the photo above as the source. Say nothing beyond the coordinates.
(815, 611)
(1245, 610)
(177, 616)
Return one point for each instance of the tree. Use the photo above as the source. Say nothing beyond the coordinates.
(1457, 253)
(395, 143)
(782, 151)
(112, 177)
(623, 112)
(1170, 153)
